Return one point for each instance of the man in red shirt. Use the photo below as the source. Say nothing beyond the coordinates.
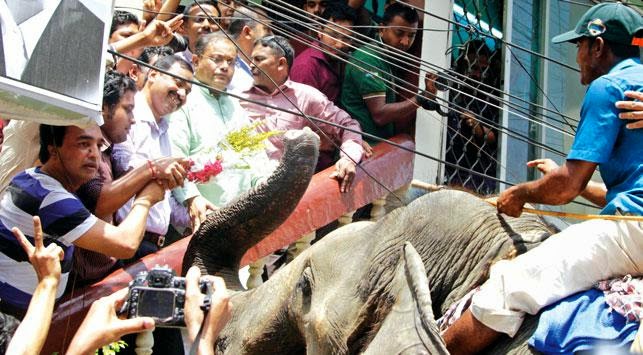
(319, 65)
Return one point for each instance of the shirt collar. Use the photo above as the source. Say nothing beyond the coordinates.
(143, 113)
(285, 86)
(626, 63)
(206, 92)
(243, 65)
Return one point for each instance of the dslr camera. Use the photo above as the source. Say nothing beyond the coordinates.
(160, 294)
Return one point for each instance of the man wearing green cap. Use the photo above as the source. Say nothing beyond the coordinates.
(574, 259)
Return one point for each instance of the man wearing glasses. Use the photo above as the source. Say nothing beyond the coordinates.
(199, 128)
(584, 253)
(148, 140)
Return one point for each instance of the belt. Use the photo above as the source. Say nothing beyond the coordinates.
(156, 239)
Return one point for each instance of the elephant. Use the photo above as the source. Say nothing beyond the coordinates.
(369, 287)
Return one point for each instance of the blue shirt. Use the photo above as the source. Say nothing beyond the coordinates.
(603, 139)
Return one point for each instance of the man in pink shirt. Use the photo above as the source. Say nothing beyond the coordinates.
(274, 55)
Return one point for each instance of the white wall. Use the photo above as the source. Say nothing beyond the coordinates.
(429, 126)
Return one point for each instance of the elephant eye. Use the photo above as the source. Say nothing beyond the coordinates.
(305, 282)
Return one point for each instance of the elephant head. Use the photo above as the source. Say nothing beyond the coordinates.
(365, 287)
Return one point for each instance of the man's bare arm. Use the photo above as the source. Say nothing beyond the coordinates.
(169, 171)
(594, 192)
(558, 187)
(384, 113)
(123, 240)
(157, 33)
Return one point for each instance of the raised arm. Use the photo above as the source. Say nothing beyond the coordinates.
(594, 192)
(156, 33)
(32, 332)
(558, 187)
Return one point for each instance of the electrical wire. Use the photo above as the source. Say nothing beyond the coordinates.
(446, 163)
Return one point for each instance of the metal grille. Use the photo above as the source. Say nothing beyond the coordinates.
(471, 134)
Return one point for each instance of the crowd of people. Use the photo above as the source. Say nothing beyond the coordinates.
(101, 197)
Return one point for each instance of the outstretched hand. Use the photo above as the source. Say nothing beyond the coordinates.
(634, 109)
(45, 260)
(544, 165)
(171, 172)
(198, 209)
(345, 173)
(102, 326)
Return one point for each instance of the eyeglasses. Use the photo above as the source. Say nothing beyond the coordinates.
(596, 27)
(219, 59)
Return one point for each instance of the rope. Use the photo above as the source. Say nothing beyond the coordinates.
(492, 201)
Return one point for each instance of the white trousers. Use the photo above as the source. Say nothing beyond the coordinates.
(566, 263)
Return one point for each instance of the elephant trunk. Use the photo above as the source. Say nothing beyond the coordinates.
(223, 238)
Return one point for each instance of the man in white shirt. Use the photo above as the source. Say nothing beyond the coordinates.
(148, 139)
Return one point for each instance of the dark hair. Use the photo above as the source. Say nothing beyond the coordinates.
(204, 41)
(399, 9)
(246, 16)
(280, 47)
(194, 3)
(623, 50)
(150, 52)
(116, 85)
(50, 135)
(122, 18)
(166, 63)
(339, 11)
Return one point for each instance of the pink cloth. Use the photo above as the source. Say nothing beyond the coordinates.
(312, 103)
(312, 68)
(625, 296)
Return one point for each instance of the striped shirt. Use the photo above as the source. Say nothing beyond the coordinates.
(64, 219)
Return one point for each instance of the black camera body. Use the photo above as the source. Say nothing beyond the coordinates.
(160, 294)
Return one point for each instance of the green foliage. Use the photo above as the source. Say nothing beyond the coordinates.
(247, 140)
(112, 349)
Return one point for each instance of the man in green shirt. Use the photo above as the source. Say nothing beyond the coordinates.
(368, 93)
(198, 131)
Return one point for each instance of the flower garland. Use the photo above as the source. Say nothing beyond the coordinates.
(243, 141)
(247, 140)
(209, 170)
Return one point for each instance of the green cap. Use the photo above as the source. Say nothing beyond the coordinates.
(614, 22)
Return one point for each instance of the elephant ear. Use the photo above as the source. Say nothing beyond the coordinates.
(410, 327)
